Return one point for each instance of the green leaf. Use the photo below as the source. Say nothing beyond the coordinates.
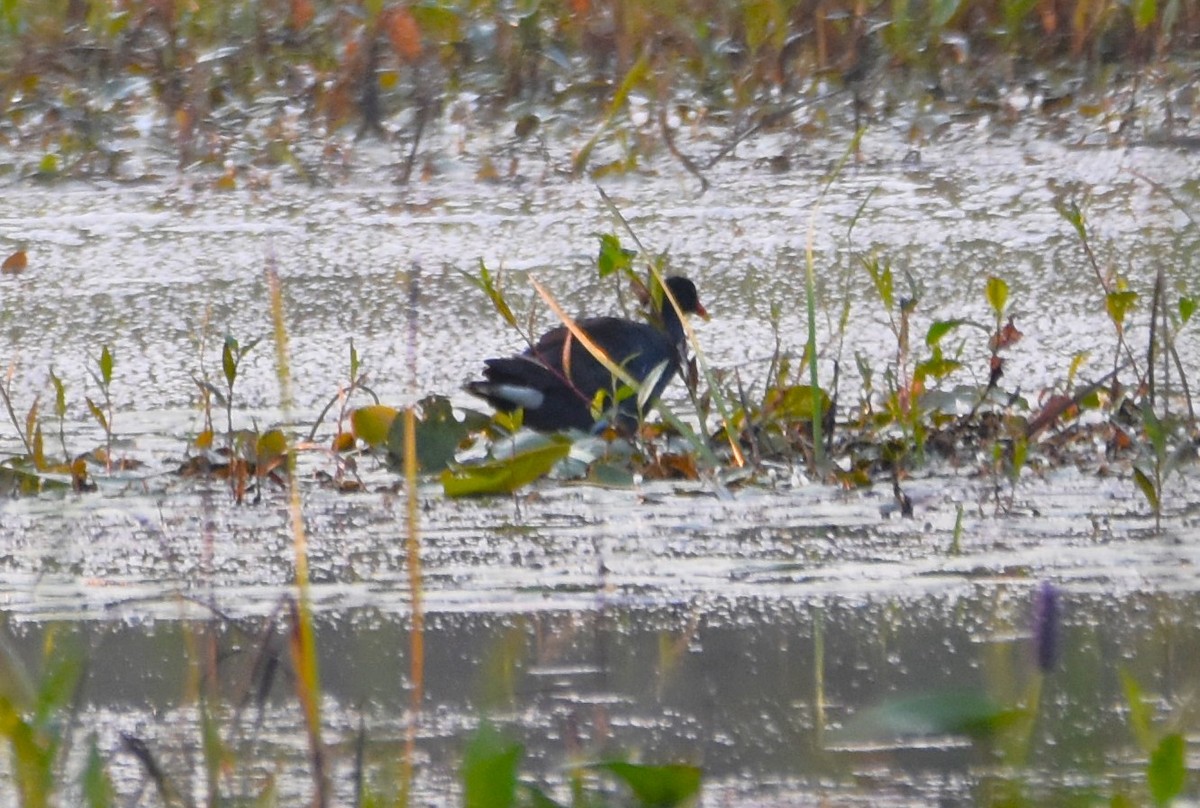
(1166, 773)
(97, 413)
(1146, 486)
(794, 403)
(487, 283)
(1119, 303)
(229, 359)
(353, 363)
(997, 294)
(881, 277)
(961, 712)
(106, 365)
(373, 424)
(942, 12)
(507, 475)
(936, 367)
(1187, 307)
(613, 257)
(656, 786)
(96, 784)
(489, 770)
(1139, 712)
(940, 329)
(439, 433)
(536, 798)
(60, 395)
(1145, 12)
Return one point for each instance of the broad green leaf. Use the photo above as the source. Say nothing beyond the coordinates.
(507, 475)
(1166, 772)
(270, 445)
(794, 403)
(439, 434)
(997, 294)
(489, 770)
(1145, 12)
(613, 257)
(955, 712)
(940, 329)
(1187, 307)
(372, 424)
(936, 367)
(656, 786)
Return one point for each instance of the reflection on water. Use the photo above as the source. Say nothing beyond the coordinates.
(659, 622)
(736, 685)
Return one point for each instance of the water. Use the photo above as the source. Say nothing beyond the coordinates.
(663, 622)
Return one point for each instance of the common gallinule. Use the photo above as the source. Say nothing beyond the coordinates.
(557, 379)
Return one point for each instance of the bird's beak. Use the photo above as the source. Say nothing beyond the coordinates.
(701, 311)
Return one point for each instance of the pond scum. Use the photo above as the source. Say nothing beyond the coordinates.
(78, 74)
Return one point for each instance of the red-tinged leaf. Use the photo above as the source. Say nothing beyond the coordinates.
(403, 32)
(1005, 337)
(302, 14)
(15, 264)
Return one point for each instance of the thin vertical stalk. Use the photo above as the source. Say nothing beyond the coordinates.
(304, 648)
(412, 544)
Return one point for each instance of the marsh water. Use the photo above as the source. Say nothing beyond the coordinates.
(742, 628)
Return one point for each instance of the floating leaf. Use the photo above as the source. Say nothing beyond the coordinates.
(969, 712)
(658, 786)
(372, 424)
(507, 475)
(270, 446)
(1166, 772)
(489, 770)
(15, 264)
(439, 433)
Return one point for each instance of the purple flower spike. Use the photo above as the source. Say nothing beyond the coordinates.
(1047, 614)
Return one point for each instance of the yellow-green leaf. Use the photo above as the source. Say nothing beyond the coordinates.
(372, 424)
(997, 294)
(507, 475)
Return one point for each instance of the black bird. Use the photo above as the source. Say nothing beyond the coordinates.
(557, 379)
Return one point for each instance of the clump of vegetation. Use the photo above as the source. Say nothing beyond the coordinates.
(235, 85)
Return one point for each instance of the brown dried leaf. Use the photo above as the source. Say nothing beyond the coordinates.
(15, 264)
